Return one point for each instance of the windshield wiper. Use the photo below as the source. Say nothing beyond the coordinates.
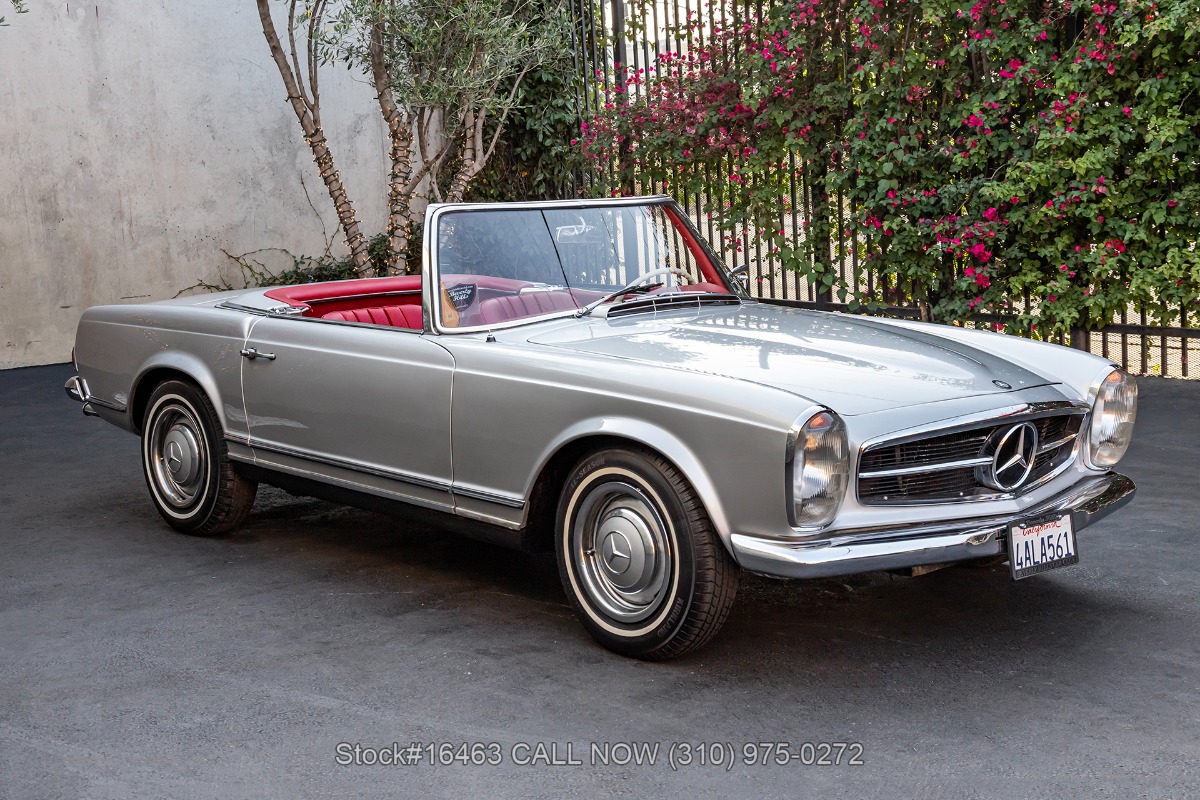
(633, 287)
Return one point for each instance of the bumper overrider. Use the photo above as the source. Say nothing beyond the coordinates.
(77, 389)
(848, 552)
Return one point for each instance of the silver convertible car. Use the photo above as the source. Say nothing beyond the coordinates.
(586, 377)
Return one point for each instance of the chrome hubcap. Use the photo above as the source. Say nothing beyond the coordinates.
(178, 458)
(623, 552)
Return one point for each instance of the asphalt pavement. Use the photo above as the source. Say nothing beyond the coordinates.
(139, 663)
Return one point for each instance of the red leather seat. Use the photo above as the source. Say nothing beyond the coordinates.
(405, 316)
(519, 306)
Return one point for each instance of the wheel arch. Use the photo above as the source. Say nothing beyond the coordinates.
(592, 436)
(171, 366)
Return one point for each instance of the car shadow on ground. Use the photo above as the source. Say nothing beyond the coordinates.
(841, 628)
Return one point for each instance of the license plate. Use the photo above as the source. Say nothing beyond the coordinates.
(1035, 547)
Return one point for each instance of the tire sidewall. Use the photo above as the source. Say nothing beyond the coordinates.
(650, 634)
(198, 514)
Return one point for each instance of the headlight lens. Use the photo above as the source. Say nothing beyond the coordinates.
(1113, 415)
(820, 469)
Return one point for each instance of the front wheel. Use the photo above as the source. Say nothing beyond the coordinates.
(186, 463)
(638, 556)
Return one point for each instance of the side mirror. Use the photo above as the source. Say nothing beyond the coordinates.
(742, 273)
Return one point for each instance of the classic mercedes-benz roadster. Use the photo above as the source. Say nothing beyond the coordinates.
(587, 377)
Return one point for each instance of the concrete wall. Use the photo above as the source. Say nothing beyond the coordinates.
(139, 138)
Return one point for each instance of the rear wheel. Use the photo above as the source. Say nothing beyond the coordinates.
(186, 463)
(638, 556)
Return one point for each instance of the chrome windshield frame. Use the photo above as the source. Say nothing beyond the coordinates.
(433, 215)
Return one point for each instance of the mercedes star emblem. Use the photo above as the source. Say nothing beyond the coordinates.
(1013, 462)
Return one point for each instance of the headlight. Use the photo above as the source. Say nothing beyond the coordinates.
(819, 469)
(1113, 414)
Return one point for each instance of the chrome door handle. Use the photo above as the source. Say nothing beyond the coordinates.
(252, 354)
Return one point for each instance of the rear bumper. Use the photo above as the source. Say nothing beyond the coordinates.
(851, 552)
(77, 389)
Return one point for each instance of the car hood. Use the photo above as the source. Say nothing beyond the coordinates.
(854, 365)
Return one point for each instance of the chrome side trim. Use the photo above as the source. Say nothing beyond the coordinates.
(939, 467)
(508, 501)
(341, 463)
(489, 497)
(961, 540)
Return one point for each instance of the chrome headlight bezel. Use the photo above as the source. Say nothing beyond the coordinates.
(818, 470)
(1113, 399)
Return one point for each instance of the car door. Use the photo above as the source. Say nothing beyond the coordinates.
(362, 406)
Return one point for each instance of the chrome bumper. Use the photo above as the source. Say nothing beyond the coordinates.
(77, 389)
(850, 552)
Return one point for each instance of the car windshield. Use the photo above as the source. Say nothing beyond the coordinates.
(499, 265)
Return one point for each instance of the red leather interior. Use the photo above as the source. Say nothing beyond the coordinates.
(518, 306)
(405, 316)
(704, 287)
(308, 292)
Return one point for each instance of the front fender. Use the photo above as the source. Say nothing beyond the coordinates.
(650, 436)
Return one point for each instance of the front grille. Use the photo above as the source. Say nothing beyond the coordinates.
(951, 467)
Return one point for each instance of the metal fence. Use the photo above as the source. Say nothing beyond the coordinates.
(630, 36)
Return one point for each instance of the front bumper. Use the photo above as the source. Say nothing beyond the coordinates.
(850, 552)
(77, 389)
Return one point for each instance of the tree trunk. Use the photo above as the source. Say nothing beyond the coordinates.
(399, 227)
(317, 142)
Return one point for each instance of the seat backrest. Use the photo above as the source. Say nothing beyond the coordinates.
(405, 316)
(517, 306)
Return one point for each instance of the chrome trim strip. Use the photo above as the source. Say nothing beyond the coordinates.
(489, 497)
(402, 477)
(508, 501)
(1048, 446)
(960, 540)
(229, 305)
(96, 401)
(941, 466)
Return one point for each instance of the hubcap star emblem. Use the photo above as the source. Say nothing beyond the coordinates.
(616, 552)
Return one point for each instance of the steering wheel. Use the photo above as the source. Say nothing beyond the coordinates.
(660, 272)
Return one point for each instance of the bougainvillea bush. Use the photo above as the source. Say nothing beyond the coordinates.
(1035, 160)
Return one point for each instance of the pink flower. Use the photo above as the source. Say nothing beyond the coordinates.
(990, 214)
